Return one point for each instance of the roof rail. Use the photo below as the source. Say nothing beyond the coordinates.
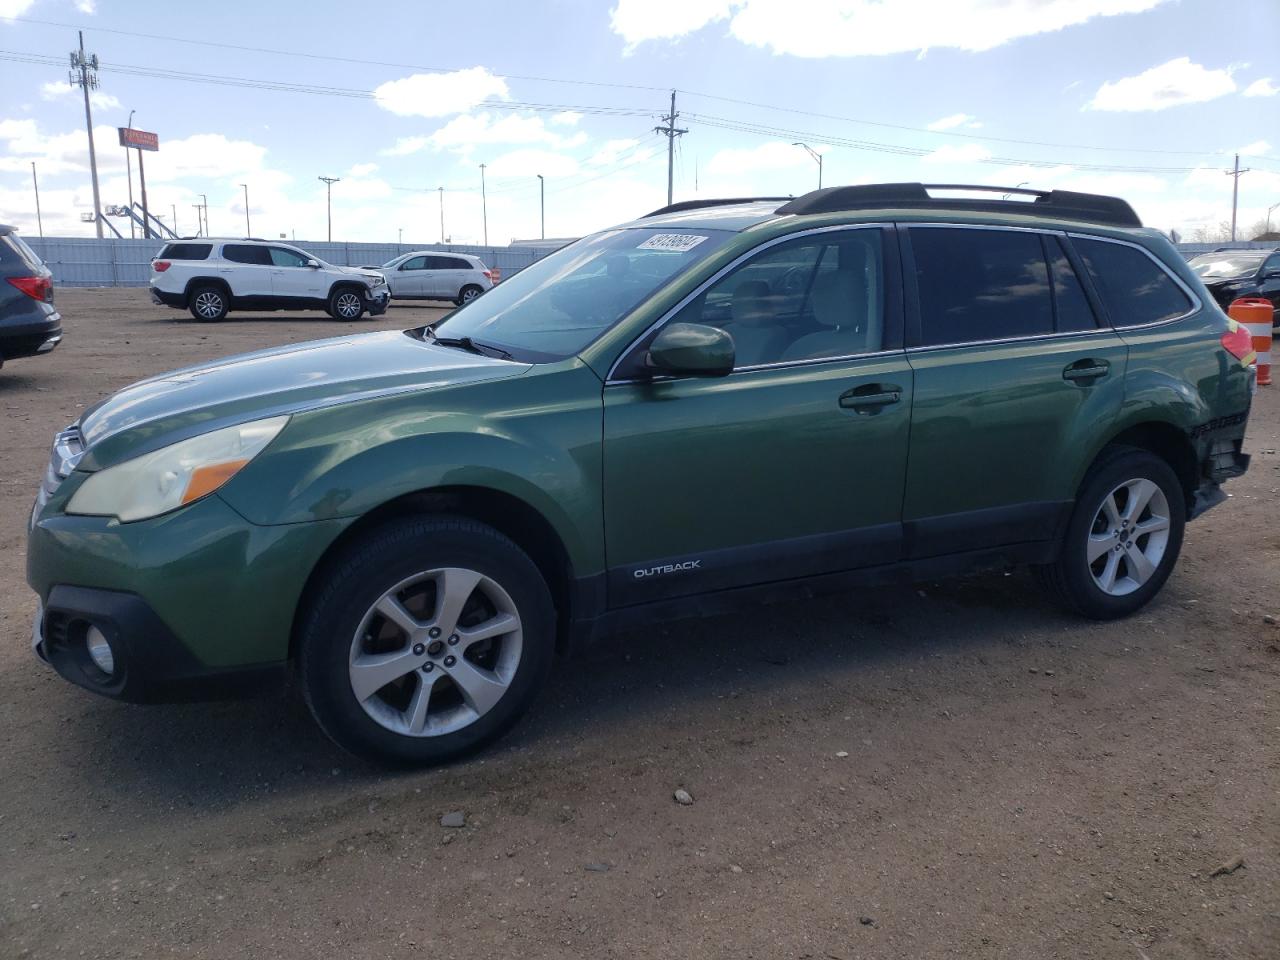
(1066, 204)
(700, 204)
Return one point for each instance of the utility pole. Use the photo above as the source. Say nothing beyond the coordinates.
(670, 131)
(199, 220)
(328, 185)
(128, 167)
(484, 206)
(142, 182)
(441, 189)
(174, 208)
(204, 210)
(248, 231)
(816, 156)
(1235, 192)
(40, 222)
(84, 74)
(1267, 230)
(542, 204)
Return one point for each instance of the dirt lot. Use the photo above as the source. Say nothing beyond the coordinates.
(953, 770)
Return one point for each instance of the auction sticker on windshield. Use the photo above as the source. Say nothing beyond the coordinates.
(671, 242)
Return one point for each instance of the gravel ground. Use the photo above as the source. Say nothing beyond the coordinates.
(951, 770)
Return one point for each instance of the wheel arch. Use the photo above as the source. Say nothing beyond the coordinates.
(341, 284)
(1168, 442)
(511, 516)
(218, 282)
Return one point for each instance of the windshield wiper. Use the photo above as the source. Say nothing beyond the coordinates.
(472, 346)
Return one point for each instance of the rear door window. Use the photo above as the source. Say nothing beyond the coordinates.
(186, 251)
(245, 253)
(1134, 288)
(978, 285)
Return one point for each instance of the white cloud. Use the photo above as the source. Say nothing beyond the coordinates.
(956, 120)
(56, 90)
(463, 133)
(958, 153)
(833, 28)
(1259, 148)
(639, 20)
(611, 152)
(14, 8)
(361, 170)
(1171, 84)
(439, 94)
(87, 6)
(1261, 88)
(404, 146)
(566, 118)
(774, 155)
(530, 162)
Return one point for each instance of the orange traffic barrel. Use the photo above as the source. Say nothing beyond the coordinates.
(1256, 314)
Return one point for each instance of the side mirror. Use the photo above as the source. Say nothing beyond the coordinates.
(691, 349)
(313, 264)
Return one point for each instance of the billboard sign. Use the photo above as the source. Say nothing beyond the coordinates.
(138, 138)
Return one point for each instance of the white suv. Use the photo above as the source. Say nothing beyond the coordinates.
(209, 277)
(428, 275)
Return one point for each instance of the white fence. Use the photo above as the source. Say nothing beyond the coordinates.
(111, 262)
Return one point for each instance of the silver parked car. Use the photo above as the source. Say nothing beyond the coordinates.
(425, 275)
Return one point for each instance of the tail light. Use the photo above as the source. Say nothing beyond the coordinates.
(493, 274)
(37, 288)
(1238, 342)
(160, 266)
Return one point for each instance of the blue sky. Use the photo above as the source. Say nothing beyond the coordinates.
(1146, 99)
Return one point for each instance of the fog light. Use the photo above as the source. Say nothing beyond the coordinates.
(99, 650)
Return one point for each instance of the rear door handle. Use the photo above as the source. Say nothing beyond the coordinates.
(1086, 370)
(870, 398)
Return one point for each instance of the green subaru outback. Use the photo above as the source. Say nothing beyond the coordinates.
(720, 401)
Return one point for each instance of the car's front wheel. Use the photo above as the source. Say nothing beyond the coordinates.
(1124, 536)
(345, 303)
(425, 641)
(208, 303)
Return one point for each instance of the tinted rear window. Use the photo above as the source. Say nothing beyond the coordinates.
(13, 252)
(244, 253)
(186, 251)
(980, 285)
(1135, 289)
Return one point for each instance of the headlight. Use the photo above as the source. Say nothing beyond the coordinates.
(175, 475)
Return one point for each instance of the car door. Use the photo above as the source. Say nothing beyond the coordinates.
(409, 279)
(248, 271)
(790, 466)
(1014, 378)
(292, 279)
(433, 279)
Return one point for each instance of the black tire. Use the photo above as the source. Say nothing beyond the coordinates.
(346, 303)
(1071, 579)
(208, 302)
(467, 294)
(345, 592)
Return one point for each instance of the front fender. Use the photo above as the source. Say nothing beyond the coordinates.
(535, 437)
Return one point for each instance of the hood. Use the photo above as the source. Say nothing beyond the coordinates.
(173, 406)
(368, 273)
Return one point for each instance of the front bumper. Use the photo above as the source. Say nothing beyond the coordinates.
(377, 301)
(149, 663)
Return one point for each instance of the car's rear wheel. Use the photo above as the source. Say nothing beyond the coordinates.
(345, 303)
(1124, 536)
(425, 641)
(208, 303)
(467, 294)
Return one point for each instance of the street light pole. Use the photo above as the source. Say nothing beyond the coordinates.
(542, 204)
(204, 210)
(128, 167)
(484, 206)
(328, 183)
(36, 183)
(1269, 209)
(816, 156)
(441, 189)
(248, 231)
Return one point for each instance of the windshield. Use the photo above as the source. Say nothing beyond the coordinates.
(557, 306)
(1219, 266)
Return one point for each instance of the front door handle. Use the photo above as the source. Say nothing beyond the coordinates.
(1086, 371)
(870, 398)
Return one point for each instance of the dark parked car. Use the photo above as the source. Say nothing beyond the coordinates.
(1231, 274)
(29, 322)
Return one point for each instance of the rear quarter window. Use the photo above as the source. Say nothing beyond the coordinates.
(13, 252)
(185, 251)
(1134, 288)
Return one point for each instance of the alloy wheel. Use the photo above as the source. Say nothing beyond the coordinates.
(436, 652)
(348, 305)
(470, 294)
(209, 305)
(1128, 538)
